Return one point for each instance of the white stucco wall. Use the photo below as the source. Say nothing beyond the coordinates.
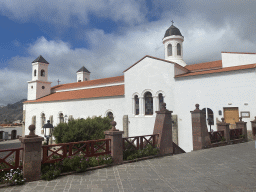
(35, 89)
(82, 75)
(77, 108)
(10, 129)
(38, 67)
(213, 91)
(150, 75)
(236, 59)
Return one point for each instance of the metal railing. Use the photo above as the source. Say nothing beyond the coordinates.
(139, 142)
(235, 133)
(10, 159)
(216, 136)
(57, 152)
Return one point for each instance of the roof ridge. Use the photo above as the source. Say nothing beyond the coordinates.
(85, 82)
(237, 52)
(83, 69)
(40, 59)
(204, 62)
(153, 58)
(220, 70)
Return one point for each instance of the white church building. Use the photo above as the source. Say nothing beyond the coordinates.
(223, 88)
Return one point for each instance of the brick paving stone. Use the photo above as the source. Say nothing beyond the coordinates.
(228, 168)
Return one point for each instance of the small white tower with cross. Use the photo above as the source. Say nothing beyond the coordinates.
(39, 85)
(83, 74)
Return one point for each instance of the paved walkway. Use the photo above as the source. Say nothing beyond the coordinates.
(228, 168)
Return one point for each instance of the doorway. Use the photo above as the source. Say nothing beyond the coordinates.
(1, 135)
(13, 134)
(231, 115)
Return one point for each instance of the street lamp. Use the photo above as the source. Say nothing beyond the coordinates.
(66, 118)
(50, 127)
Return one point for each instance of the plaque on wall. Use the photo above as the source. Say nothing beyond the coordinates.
(245, 114)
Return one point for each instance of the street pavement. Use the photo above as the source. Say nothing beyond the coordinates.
(220, 169)
(10, 144)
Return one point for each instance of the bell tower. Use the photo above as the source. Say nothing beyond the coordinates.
(39, 86)
(173, 45)
(83, 74)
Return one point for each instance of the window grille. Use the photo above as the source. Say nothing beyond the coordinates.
(148, 103)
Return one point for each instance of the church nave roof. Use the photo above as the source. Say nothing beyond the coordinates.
(94, 82)
(109, 91)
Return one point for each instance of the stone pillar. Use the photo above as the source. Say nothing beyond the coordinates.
(175, 129)
(125, 125)
(31, 155)
(254, 128)
(116, 144)
(163, 127)
(201, 138)
(242, 125)
(222, 126)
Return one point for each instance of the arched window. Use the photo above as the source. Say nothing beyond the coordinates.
(34, 120)
(178, 49)
(70, 118)
(61, 118)
(51, 119)
(42, 119)
(35, 72)
(148, 103)
(42, 73)
(111, 116)
(161, 100)
(169, 49)
(208, 113)
(137, 106)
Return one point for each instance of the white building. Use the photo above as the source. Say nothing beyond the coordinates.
(224, 88)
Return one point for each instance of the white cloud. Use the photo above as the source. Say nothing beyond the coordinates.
(61, 11)
(110, 54)
(13, 86)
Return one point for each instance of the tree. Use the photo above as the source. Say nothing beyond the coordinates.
(82, 130)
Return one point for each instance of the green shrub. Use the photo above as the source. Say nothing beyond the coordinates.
(82, 130)
(74, 163)
(14, 177)
(223, 139)
(131, 153)
(51, 171)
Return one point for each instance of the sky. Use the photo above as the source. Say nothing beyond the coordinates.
(108, 36)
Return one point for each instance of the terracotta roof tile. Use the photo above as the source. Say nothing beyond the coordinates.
(82, 94)
(238, 52)
(204, 66)
(89, 83)
(241, 67)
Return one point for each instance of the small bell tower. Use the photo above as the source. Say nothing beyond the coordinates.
(39, 86)
(83, 74)
(173, 45)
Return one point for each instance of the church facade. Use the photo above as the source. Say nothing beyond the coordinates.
(223, 88)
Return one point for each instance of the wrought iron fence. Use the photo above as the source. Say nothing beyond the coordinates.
(56, 152)
(10, 159)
